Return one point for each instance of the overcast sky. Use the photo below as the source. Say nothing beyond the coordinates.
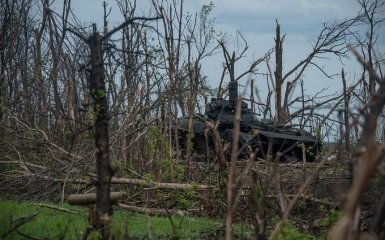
(300, 20)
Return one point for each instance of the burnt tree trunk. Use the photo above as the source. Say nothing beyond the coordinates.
(278, 76)
(104, 171)
(346, 113)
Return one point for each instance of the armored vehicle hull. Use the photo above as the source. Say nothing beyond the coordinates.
(266, 140)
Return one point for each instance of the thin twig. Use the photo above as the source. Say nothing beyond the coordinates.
(58, 208)
(19, 222)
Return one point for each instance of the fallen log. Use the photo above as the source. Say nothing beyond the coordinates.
(152, 211)
(90, 198)
(174, 186)
(53, 179)
(132, 181)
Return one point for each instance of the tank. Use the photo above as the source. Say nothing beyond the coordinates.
(263, 137)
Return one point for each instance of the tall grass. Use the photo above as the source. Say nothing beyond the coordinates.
(54, 224)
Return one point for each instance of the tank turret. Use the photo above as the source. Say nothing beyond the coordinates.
(224, 110)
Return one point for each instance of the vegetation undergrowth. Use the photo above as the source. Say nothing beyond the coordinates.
(55, 224)
(288, 231)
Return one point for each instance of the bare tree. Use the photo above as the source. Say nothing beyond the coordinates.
(368, 155)
(199, 39)
(370, 149)
(331, 40)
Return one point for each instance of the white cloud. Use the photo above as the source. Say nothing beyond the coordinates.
(301, 20)
(296, 15)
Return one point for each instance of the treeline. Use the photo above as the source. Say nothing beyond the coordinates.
(45, 71)
(153, 72)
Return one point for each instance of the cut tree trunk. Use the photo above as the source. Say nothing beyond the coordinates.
(90, 198)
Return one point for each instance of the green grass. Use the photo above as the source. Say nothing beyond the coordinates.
(48, 224)
(54, 224)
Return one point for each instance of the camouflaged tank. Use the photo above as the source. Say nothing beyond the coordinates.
(284, 143)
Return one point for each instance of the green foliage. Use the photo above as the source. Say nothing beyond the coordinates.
(96, 110)
(324, 224)
(184, 203)
(156, 142)
(207, 8)
(206, 23)
(92, 114)
(159, 148)
(187, 198)
(94, 236)
(290, 232)
(149, 177)
(259, 194)
(318, 132)
(172, 170)
(243, 231)
(98, 94)
(332, 218)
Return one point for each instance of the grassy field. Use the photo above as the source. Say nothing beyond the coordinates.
(53, 224)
